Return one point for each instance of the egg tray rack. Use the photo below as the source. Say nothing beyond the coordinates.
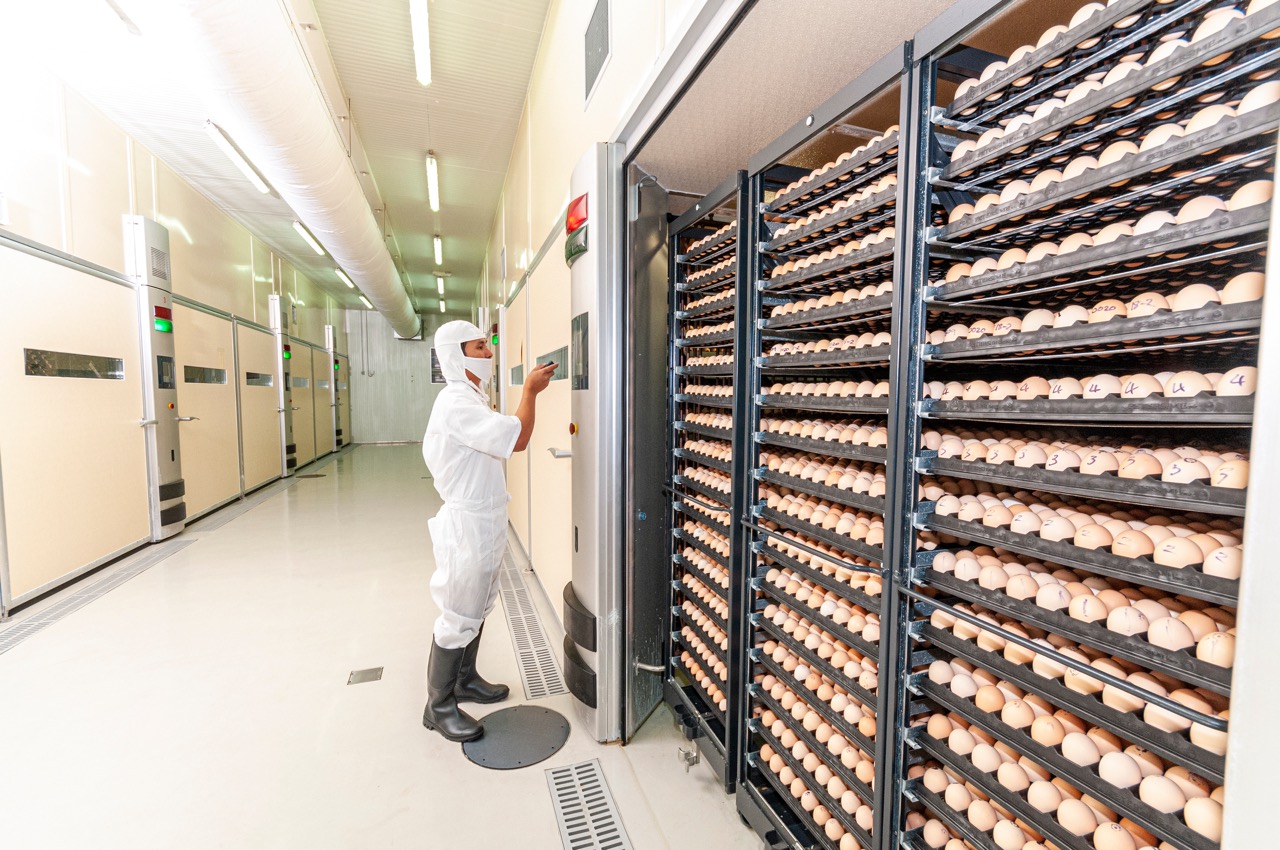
(955, 821)
(1124, 802)
(767, 810)
(678, 615)
(681, 480)
(848, 592)
(703, 286)
(706, 719)
(848, 544)
(687, 539)
(1171, 746)
(705, 401)
(855, 690)
(836, 227)
(684, 565)
(706, 341)
(1103, 186)
(710, 310)
(1225, 501)
(703, 460)
(703, 430)
(1203, 409)
(1181, 664)
(697, 516)
(710, 253)
(848, 498)
(1190, 582)
(877, 159)
(854, 266)
(1119, 335)
(817, 838)
(832, 448)
(781, 597)
(836, 316)
(827, 360)
(826, 404)
(1188, 63)
(833, 718)
(724, 370)
(1207, 235)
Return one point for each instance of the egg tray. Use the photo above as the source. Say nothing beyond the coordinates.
(833, 718)
(709, 310)
(712, 251)
(817, 837)
(848, 451)
(1181, 664)
(724, 370)
(955, 821)
(848, 498)
(1187, 63)
(693, 569)
(1113, 337)
(763, 795)
(678, 614)
(693, 691)
(854, 171)
(704, 430)
(835, 269)
(1208, 233)
(799, 608)
(857, 597)
(697, 720)
(847, 544)
(1174, 747)
(707, 340)
(704, 460)
(1224, 501)
(725, 276)
(837, 226)
(1100, 185)
(837, 315)
(1185, 411)
(1124, 802)
(702, 489)
(826, 404)
(1187, 582)
(719, 402)
(773, 534)
(826, 359)
(678, 640)
(700, 517)
(1045, 80)
(690, 540)
(854, 690)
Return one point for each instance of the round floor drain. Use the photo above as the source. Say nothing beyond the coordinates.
(518, 737)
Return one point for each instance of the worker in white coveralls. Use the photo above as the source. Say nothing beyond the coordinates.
(464, 447)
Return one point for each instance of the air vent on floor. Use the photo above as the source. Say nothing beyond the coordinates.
(585, 810)
(597, 44)
(538, 669)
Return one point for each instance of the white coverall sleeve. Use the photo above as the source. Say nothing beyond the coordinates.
(487, 431)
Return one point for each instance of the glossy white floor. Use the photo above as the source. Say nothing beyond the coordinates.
(204, 704)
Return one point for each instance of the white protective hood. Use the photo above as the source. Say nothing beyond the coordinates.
(448, 345)
(258, 86)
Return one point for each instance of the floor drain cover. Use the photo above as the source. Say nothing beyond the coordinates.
(518, 737)
(312, 475)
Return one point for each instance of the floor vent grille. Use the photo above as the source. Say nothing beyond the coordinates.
(539, 671)
(585, 811)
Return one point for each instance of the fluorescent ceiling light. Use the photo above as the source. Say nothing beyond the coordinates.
(440, 284)
(311, 240)
(441, 305)
(433, 182)
(421, 40)
(233, 153)
(342, 276)
(365, 302)
(439, 243)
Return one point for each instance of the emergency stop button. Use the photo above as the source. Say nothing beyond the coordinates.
(573, 428)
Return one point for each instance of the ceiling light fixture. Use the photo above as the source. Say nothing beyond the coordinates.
(342, 276)
(365, 302)
(433, 182)
(439, 244)
(421, 39)
(311, 240)
(441, 305)
(440, 284)
(233, 153)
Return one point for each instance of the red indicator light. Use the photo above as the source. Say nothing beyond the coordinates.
(171, 405)
(577, 216)
(163, 313)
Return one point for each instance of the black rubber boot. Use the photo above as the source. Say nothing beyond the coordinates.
(471, 687)
(442, 713)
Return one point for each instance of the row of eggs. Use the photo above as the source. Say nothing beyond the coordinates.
(1240, 289)
(1260, 97)
(1196, 209)
(887, 184)
(709, 567)
(838, 700)
(712, 390)
(842, 250)
(1129, 611)
(836, 566)
(1229, 469)
(853, 476)
(887, 136)
(705, 654)
(845, 659)
(932, 439)
(707, 240)
(852, 342)
(1213, 23)
(832, 389)
(713, 539)
(709, 597)
(1141, 682)
(847, 296)
(1239, 381)
(854, 432)
(696, 331)
(704, 681)
(708, 625)
(719, 515)
(710, 420)
(822, 818)
(712, 478)
(718, 295)
(717, 449)
(1135, 533)
(710, 271)
(844, 521)
(711, 360)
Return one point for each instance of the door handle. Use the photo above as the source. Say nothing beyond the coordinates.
(145, 422)
(295, 408)
(560, 454)
(187, 418)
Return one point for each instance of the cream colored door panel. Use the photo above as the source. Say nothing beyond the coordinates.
(322, 369)
(72, 449)
(203, 344)
(302, 398)
(342, 377)
(259, 406)
(514, 337)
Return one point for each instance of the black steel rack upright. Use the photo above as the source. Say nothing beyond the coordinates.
(703, 678)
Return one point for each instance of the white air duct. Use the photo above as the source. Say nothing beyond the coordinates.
(258, 87)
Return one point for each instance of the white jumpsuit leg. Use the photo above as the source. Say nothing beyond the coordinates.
(469, 542)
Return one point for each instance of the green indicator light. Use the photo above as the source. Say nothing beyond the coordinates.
(164, 326)
(494, 341)
(335, 367)
(288, 355)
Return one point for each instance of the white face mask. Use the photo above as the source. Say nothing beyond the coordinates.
(481, 367)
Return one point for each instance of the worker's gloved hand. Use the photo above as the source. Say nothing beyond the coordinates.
(538, 379)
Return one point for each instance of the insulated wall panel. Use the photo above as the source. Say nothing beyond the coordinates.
(302, 398)
(71, 448)
(259, 406)
(204, 345)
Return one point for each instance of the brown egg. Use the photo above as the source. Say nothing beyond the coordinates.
(1161, 794)
(1112, 836)
(1170, 633)
(1140, 466)
(1217, 648)
(1120, 769)
(1076, 817)
(1224, 562)
(1204, 815)
(1200, 208)
(1251, 194)
(1081, 749)
(1234, 474)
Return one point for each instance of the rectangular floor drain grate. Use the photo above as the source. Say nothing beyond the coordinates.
(538, 669)
(585, 811)
(358, 677)
(133, 566)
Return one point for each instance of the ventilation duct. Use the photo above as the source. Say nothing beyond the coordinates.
(258, 86)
